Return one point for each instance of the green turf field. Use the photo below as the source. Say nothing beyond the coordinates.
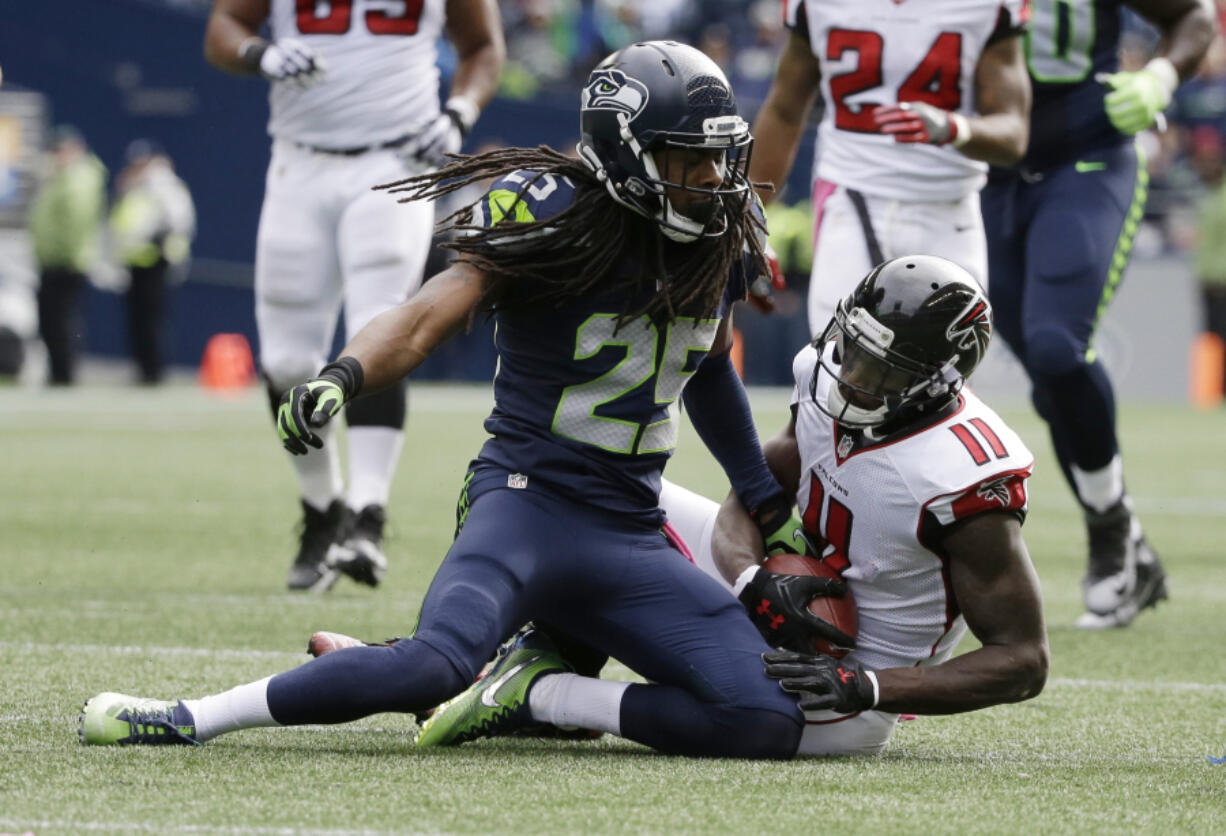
(146, 536)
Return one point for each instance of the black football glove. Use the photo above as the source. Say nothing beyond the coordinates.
(310, 406)
(779, 607)
(782, 531)
(822, 683)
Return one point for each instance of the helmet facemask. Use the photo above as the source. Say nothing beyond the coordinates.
(872, 384)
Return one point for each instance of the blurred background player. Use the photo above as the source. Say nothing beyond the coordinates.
(355, 101)
(915, 103)
(153, 222)
(1060, 228)
(915, 492)
(65, 221)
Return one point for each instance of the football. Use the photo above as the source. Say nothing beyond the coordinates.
(841, 612)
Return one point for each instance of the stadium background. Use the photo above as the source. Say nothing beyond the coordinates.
(123, 69)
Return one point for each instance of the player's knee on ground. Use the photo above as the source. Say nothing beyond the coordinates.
(1053, 352)
(760, 734)
(381, 409)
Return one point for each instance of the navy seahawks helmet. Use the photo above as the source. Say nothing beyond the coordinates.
(904, 342)
(653, 96)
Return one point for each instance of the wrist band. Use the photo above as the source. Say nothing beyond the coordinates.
(465, 111)
(251, 51)
(743, 579)
(1163, 70)
(348, 374)
(961, 129)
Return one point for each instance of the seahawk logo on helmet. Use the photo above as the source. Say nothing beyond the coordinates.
(656, 97)
(614, 90)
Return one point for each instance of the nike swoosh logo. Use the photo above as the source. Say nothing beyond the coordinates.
(1084, 167)
(489, 697)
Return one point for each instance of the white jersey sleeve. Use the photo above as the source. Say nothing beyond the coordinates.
(885, 52)
(381, 82)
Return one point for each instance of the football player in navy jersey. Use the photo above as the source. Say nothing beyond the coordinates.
(1060, 227)
(610, 279)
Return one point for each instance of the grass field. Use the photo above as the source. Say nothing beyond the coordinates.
(145, 537)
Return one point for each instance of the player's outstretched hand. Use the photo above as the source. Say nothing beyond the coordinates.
(305, 408)
(822, 683)
(290, 60)
(778, 605)
(1136, 98)
(916, 122)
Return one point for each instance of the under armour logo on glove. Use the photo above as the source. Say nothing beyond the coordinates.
(822, 683)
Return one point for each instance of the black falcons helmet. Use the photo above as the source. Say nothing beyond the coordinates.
(905, 340)
(652, 96)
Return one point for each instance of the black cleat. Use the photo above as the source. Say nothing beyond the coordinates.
(361, 557)
(318, 548)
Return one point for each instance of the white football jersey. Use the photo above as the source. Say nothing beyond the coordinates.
(884, 52)
(877, 510)
(381, 81)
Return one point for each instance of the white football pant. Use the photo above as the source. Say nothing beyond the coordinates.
(326, 238)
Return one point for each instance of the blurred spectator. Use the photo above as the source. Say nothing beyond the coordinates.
(152, 225)
(65, 219)
(1206, 155)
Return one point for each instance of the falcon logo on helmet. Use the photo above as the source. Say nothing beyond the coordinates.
(614, 90)
(972, 328)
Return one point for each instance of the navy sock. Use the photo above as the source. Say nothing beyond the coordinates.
(356, 682)
(675, 722)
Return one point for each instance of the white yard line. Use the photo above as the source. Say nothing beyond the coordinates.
(141, 827)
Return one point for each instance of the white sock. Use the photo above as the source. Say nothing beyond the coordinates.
(567, 699)
(1102, 488)
(244, 707)
(373, 454)
(319, 472)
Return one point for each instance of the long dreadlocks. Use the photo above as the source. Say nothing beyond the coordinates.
(586, 246)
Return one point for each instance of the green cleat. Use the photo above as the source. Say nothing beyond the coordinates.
(119, 720)
(495, 704)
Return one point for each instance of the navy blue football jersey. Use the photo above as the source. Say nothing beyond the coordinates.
(1070, 42)
(582, 405)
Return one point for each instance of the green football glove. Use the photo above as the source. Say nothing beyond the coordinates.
(310, 406)
(1136, 98)
(782, 531)
(305, 408)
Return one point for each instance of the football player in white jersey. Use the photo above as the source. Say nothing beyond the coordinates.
(354, 102)
(918, 99)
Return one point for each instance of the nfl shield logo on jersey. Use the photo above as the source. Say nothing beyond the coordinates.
(845, 444)
(517, 480)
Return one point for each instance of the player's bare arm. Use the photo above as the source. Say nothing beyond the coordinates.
(231, 24)
(474, 29)
(396, 342)
(1187, 26)
(997, 590)
(391, 346)
(784, 114)
(1001, 130)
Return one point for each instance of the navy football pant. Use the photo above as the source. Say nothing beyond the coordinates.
(1057, 248)
(528, 554)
